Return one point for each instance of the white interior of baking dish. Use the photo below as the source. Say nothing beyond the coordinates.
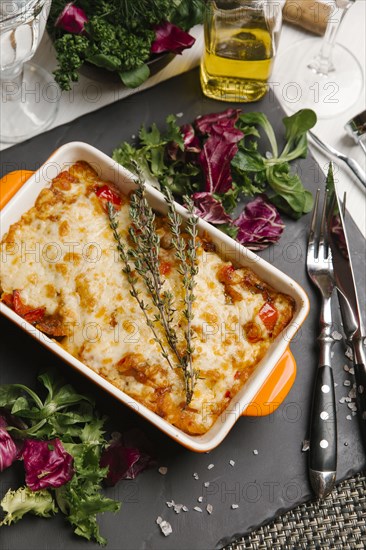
(108, 169)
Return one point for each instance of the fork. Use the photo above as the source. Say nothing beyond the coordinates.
(350, 162)
(323, 424)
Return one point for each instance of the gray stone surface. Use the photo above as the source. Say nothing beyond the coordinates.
(264, 484)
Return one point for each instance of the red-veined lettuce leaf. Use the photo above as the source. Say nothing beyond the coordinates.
(191, 143)
(190, 140)
(125, 457)
(170, 38)
(259, 224)
(46, 463)
(8, 449)
(227, 119)
(210, 209)
(217, 153)
(72, 19)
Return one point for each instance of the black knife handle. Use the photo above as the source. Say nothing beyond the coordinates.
(360, 378)
(323, 429)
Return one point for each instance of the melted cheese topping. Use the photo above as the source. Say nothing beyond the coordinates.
(62, 256)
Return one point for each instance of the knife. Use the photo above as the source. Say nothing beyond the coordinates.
(351, 163)
(348, 300)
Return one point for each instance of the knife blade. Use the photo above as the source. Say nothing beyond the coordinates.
(347, 296)
(351, 163)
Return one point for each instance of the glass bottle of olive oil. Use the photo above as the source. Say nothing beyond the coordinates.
(240, 45)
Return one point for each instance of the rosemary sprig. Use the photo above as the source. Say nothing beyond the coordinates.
(187, 258)
(135, 293)
(145, 256)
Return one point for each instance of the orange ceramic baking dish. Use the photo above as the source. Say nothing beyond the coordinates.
(274, 375)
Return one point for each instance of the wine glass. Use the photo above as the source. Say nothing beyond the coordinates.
(29, 95)
(328, 79)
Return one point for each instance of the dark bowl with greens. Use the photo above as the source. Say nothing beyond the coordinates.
(156, 63)
(122, 40)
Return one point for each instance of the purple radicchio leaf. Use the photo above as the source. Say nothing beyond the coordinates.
(47, 464)
(226, 119)
(126, 456)
(217, 153)
(259, 224)
(170, 38)
(3, 422)
(210, 209)
(8, 449)
(8, 419)
(190, 141)
(72, 19)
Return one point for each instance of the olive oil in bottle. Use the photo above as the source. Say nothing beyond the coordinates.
(240, 44)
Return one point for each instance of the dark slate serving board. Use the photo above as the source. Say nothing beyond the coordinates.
(263, 484)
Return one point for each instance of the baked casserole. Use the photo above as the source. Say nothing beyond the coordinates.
(61, 272)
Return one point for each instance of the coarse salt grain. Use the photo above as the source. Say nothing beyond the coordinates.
(185, 508)
(200, 499)
(342, 400)
(195, 475)
(159, 519)
(206, 483)
(197, 508)
(255, 452)
(234, 506)
(352, 393)
(177, 508)
(349, 417)
(346, 368)
(349, 354)
(210, 466)
(165, 527)
(305, 445)
(347, 383)
(361, 389)
(209, 508)
(179, 115)
(163, 470)
(352, 370)
(170, 503)
(232, 462)
(336, 335)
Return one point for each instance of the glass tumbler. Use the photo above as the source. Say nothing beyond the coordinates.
(29, 94)
(241, 41)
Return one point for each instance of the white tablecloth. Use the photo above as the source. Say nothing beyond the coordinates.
(88, 95)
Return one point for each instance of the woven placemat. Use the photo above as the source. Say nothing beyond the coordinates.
(336, 523)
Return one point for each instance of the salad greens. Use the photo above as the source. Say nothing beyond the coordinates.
(22, 501)
(217, 159)
(286, 189)
(118, 36)
(179, 176)
(61, 440)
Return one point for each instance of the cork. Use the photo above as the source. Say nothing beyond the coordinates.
(307, 14)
